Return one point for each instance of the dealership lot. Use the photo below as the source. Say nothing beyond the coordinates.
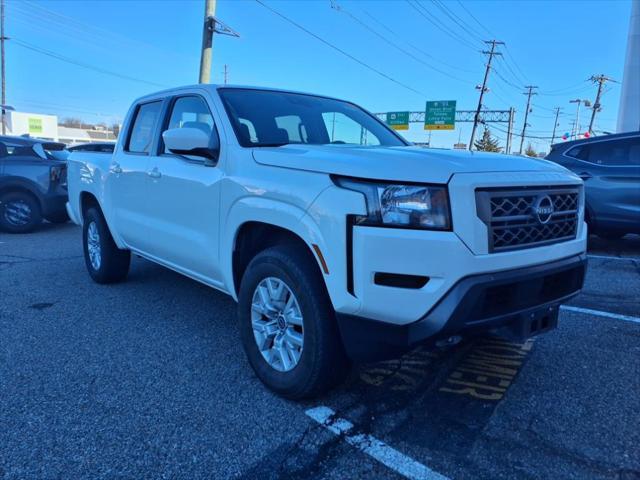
(148, 379)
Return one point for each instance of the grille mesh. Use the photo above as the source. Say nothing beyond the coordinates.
(515, 219)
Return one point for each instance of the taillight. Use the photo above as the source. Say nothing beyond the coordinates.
(57, 173)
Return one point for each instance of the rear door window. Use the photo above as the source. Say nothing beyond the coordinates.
(143, 128)
(620, 153)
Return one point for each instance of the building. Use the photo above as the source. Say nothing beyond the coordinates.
(32, 124)
(46, 127)
(74, 136)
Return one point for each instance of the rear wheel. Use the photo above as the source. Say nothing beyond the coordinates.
(105, 262)
(19, 212)
(287, 324)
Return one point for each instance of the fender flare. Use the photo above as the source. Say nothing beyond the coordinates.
(272, 212)
(14, 183)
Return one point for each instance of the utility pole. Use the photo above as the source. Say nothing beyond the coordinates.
(2, 39)
(211, 25)
(476, 118)
(512, 112)
(555, 125)
(600, 80)
(207, 40)
(528, 93)
(226, 74)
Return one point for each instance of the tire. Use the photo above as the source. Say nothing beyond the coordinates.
(105, 262)
(59, 217)
(19, 212)
(321, 362)
(611, 235)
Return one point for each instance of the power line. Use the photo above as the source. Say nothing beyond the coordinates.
(338, 49)
(338, 8)
(474, 18)
(508, 55)
(473, 35)
(427, 16)
(422, 51)
(62, 58)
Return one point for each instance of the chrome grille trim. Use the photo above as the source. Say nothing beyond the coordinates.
(527, 217)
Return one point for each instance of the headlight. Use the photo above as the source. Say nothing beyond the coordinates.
(401, 205)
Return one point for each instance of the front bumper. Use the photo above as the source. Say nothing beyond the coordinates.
(517, 303)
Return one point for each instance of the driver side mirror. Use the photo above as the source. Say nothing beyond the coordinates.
(193, 141)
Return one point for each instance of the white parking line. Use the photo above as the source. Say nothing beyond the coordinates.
(611, 257)
(600, 313)
(373, 447)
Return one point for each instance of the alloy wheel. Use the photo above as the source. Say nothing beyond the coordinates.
(93, 245)
(17, 212)
(277, 324)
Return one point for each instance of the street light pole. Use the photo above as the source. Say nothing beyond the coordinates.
(576, 124)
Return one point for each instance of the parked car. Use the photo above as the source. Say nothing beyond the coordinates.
(33, 183)
(338, 239)
(610, 168)
(104, 147)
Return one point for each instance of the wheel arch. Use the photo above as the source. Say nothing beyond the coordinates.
(22, 187)
(259, 224)
(87, 200)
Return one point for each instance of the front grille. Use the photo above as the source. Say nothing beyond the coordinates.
(525, 217)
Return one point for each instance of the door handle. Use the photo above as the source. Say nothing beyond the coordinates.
(115, 168)
(585, 175)
(155, 173)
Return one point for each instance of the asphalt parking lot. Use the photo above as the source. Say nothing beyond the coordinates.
(147, 379)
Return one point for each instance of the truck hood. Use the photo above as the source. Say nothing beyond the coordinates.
(396, 163)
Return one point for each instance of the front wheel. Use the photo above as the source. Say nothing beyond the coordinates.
(105, 262)
(287, 324)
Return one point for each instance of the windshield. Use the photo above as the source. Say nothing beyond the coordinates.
(263, 118)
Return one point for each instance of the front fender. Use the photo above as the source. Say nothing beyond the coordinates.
(269, 211)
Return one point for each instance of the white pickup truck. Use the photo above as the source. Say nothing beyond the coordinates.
(338, 239)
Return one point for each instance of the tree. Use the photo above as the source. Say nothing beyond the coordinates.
(487, 143)
(71, 122)
(530, 152)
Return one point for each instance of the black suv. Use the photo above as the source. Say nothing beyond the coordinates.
(610, 168)
(33, 183)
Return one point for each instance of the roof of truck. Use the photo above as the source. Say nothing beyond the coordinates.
(215, 86)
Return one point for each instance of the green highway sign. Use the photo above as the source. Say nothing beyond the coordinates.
(440, 115)
(398, 120)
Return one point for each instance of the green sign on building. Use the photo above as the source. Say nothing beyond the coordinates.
(35, 125)
(440, 115)
(398, 120)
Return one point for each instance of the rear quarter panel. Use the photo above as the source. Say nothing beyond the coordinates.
(87, 172)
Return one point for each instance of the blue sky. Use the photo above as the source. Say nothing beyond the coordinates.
(431, 48)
